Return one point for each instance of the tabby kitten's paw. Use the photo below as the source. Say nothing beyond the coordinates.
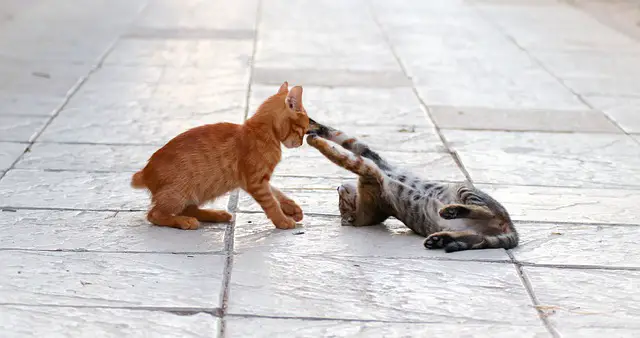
(437, 240)
(450, 212)
(293, 210)
(311, 137)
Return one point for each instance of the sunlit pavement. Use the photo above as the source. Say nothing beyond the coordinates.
(535, 101)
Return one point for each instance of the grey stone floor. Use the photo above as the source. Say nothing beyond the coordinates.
(536, 101)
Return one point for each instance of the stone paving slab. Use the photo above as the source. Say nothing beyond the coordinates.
(20, 128)
(103, 231)
(30, 321)
(325, 236)
(577, 298)
(574, 244)
(111, 279)
(181, 53)
(558, 204)
(73, 190)
(270, 327)
(12, 103)
(86, 157)
(385, 289)
(9, 152)
(558, 159)
(624, 111)
(522, 120)
(197, 13)
(556, 84)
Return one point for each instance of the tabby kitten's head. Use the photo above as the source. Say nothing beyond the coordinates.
(292, 120)
(348, 195)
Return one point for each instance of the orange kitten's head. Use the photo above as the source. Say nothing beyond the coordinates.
(293, 121)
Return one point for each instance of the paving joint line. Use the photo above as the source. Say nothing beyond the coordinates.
(425, 108)
(360, 320)
(181, 311)
(83, 250)
(234, 198)
(532, 296)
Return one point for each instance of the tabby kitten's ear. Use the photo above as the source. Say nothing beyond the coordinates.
(294, 99)
(284, 88)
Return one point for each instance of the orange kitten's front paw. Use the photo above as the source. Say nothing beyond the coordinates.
(284, 224)
(187, 223)
(291, 209)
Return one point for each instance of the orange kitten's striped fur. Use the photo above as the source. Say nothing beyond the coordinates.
(203, 163)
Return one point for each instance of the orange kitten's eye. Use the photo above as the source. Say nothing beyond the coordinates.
(290, 105)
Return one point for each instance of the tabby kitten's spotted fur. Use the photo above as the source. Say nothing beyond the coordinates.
(452, 216)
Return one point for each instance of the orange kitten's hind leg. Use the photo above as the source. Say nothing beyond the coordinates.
(288, 206)
(160, 218)
(166, 207)
(207, 215)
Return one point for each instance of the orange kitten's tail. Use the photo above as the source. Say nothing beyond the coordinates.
(137, 181)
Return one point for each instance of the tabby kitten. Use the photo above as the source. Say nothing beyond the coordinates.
(452, 216)
(206, 162)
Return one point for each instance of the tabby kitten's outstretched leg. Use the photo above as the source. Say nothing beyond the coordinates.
(359, 206)
(358, 166)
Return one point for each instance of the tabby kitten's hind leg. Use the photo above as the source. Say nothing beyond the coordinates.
(207, 215)
(453, 241)
(453, 211)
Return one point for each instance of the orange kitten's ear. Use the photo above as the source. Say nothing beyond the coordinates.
(294, 98)
(284, 88)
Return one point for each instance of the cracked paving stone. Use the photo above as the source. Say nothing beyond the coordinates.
(549, 204)
(111, 279)
(574, 244)
(324, 235)
(23, 321)
(275, 327)
(377, 289)
(74, 190)
(575, 160)
(588, 301)
(102, 231)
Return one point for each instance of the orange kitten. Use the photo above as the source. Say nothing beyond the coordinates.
(206, 162)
